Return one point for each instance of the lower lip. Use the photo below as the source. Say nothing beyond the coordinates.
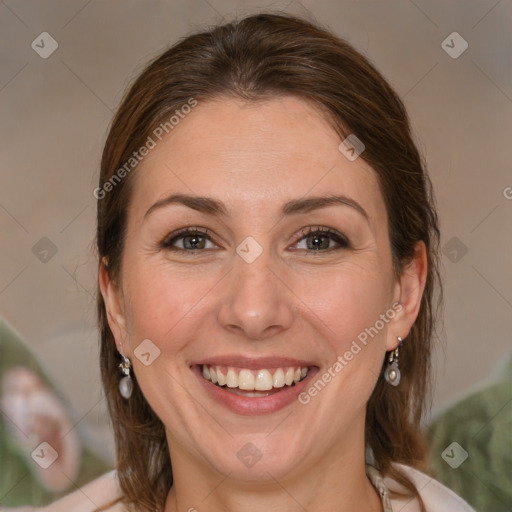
(252, 406)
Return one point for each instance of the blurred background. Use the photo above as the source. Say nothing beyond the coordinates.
(65, 66)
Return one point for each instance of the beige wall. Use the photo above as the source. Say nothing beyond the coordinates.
(55, 114)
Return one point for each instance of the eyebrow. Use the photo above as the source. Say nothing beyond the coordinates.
(211, 206)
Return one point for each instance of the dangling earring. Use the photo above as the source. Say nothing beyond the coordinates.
(126, 383)
(392, 372)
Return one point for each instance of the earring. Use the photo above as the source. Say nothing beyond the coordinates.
(126, 383)
(392, 372)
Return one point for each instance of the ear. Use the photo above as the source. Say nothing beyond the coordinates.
(114, 305)
(408, 293)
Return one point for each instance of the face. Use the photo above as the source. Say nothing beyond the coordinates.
(266, 284)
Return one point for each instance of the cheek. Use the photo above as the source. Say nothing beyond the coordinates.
(162, 302)
(347, 301)
(169, 305)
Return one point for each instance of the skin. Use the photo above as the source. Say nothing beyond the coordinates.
(291, 301)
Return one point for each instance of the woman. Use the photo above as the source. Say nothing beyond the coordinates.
(268, 282)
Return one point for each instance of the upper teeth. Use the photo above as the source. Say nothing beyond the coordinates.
(260, 380)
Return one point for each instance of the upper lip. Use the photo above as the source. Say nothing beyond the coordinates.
(253, 363)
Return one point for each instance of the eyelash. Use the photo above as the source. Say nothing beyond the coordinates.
(168, 242)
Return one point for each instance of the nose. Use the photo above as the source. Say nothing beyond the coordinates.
(256, 303)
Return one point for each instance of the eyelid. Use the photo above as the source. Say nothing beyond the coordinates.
(340, 239)
(343, 241)
(189, 230)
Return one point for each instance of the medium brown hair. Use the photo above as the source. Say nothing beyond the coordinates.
(259, 57)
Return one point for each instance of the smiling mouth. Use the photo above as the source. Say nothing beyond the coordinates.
(254, 383)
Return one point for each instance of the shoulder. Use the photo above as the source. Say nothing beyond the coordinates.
(435, 495)
(93, 496)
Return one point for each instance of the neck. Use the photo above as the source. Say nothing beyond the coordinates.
(337, 482)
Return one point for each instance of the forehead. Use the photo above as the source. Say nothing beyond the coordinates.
(254, 155)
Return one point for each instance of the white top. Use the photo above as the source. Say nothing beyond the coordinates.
(437, 497)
